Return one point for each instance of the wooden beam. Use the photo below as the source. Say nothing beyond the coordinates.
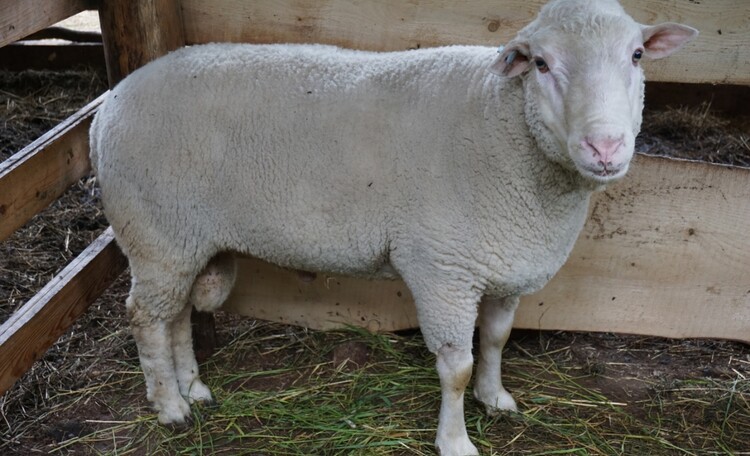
(665, 252)
(134, 33)
(37, 175)
(64, 33)
(31, 330)
(20, 18)
(720, 55)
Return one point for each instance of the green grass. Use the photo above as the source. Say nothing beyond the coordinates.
(280, 394)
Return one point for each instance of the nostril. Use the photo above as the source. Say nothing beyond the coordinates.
(603, 147)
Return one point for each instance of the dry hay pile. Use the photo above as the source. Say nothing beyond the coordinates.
(285, 390)
(695, 133)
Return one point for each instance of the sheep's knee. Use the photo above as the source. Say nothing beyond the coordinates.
(454, 369)
(213, 285)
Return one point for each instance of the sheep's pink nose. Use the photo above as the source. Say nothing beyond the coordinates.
(604, 148)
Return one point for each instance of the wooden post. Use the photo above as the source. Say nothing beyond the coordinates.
(136, 32)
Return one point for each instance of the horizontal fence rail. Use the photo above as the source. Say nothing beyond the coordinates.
(29, 181)
(719, 55)
(38, 174)
(31, 330)
(21, 18)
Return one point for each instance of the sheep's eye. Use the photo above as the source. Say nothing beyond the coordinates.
(541, 65)
(637, 55)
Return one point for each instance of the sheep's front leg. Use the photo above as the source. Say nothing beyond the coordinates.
(495, 323)
(185, 365)
(447, 311)
(454, 369)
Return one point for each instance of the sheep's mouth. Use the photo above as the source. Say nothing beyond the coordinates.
(602, 174)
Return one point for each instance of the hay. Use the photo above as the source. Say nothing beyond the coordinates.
(694, 133)
(32, 102)
(280, 392)
(285, 390)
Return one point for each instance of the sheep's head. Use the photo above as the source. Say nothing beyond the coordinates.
(580, 60)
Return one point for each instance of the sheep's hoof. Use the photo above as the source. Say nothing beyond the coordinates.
(200, 393)
(496, 403)
(456, 447)
(175, 414)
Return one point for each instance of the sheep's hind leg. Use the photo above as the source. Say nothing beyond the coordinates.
(186, 367)
(155, 352)
(210, 289)
(495, 323)
(157, 300)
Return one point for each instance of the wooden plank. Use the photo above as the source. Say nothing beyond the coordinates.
(31, 330)
(268, 292)
(20, 18)
(63, 33)
(664, 252)
(134, 33)
(37, 175)
(720, 55)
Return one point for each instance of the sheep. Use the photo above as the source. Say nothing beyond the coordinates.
(465, 172)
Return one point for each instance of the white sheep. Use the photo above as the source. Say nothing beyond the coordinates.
(471, 187)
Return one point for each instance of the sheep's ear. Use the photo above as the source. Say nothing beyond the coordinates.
(664, 39)
(512, 61)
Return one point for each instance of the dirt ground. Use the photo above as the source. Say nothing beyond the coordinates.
(698, 384)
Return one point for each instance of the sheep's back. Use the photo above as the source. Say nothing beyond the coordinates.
(308, 156)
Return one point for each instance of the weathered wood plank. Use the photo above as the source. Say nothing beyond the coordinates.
(31, 330)
(665, 252)
(268, 292)
(20, 18)
(720, 55)
(134, 33)
(38, 174)
(63, 33)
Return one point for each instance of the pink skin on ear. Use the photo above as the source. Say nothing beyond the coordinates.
(664, 39)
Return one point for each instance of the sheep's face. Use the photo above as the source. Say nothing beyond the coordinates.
(584, 84)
